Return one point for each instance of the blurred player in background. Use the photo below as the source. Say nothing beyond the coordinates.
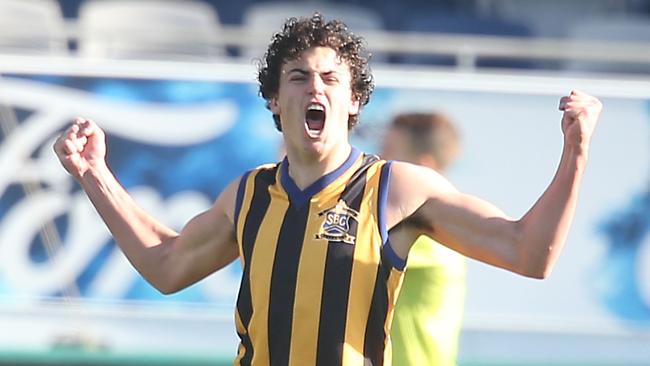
(429, 309)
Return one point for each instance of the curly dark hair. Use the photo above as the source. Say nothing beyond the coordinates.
(301, 34)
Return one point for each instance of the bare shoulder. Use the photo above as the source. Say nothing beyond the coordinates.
(410, 187)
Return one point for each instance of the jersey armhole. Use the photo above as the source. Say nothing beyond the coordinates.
(384, 181)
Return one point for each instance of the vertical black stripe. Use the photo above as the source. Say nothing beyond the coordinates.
(248, 350)
(336, 281)
(373, 350)
(283, 283)
(258, 206)
(367, 162)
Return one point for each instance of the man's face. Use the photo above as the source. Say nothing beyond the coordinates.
(314, 101)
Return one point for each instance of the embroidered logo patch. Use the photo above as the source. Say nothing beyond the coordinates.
(336, 223)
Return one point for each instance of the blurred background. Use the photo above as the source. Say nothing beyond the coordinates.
(173, 84)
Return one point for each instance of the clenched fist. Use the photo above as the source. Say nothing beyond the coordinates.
(80, 147)
(579, 120)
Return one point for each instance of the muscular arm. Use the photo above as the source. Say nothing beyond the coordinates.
(530, 245)
(170, 261)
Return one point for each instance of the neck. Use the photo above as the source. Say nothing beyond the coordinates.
(305, 169)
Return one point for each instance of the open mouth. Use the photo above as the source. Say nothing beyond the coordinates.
(315, 119)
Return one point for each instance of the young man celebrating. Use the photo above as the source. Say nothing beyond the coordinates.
(321, 272)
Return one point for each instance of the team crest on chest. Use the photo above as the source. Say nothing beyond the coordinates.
(336, 223)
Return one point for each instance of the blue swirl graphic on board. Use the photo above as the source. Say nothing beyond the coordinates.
(173, 144)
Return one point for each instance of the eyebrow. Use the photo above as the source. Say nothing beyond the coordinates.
(298, 70)
(330, 72)
(305, 72)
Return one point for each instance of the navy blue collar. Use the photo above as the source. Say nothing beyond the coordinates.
(298, 197)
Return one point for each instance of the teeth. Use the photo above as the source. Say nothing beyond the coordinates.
(315, 107)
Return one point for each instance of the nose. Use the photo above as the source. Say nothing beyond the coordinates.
(316, 85)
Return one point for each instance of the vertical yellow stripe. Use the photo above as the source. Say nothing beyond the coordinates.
(261, 268)
(241, 350)
(394, 284)
(309, 286)
(241, 219)
(243, 213)
(364, 271)
(238, 324)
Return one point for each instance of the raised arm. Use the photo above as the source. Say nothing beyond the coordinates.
(170, 261)
(530, 245)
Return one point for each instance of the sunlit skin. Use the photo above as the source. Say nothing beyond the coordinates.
(319, 76)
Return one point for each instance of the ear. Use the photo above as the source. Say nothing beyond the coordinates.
(353, 109)
(274, 106)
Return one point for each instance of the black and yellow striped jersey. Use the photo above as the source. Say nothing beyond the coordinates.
(320, 280)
